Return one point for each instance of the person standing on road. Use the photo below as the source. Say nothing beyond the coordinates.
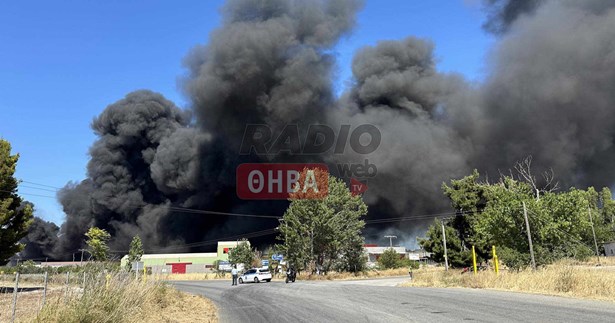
(234, 274)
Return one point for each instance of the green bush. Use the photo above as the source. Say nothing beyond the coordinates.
(513, 259)
(410, 264)
(390, 259)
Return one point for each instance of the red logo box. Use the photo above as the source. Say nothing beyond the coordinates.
(262, 181)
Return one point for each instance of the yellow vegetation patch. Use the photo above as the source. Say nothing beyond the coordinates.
(563, 279)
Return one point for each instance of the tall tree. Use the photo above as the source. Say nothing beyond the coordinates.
(242, 254)
(97, 243)
(15, 215)
(135, 252)
(325, 232)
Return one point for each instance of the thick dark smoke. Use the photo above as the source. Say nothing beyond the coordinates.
(41, 240)
(503, 13)
(549, 94)
(267, 64)
(120, 193)
(398, 89)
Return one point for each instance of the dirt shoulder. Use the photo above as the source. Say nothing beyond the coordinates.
(181, 307)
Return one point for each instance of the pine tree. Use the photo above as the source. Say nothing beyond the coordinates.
(15, 214)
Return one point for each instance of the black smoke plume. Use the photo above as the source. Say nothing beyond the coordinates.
(41, 240)
(503, 13)
(548, 93)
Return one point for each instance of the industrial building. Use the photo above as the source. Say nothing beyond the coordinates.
(374, 252)
(418, 255)
(181, 263)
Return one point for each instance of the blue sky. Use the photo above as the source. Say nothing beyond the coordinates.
(62, 63)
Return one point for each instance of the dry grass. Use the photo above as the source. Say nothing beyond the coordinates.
(122, 299)
(180, 307)
(28, 304)
(591, 262)
(564, 278)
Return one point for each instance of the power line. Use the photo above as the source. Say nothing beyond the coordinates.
(39, 184)
(38, 188)
(20, 193)
(418, 217)
(253, 234)
(570, 236)
(171, 208)
(210, 242)
(187, 210)
(197, 211)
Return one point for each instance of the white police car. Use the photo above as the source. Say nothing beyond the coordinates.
(255, 275)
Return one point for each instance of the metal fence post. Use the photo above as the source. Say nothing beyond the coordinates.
(15, 296)
(66, 290)
(44, 291)
(84, 282)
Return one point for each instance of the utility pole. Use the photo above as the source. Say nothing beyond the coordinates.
(285, 231)
(391, 240)
(529, 236)
(82, 250)
(312, 249)
(591, 221)
(444, 243)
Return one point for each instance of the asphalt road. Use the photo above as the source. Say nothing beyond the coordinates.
(379, 300)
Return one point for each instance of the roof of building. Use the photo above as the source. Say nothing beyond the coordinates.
(232, 243)
(180, 255)
(62, 263)
(383, 249)
(188, 254)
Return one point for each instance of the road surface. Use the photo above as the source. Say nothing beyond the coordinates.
(379, 300)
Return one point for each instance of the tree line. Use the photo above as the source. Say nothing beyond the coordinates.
(563, 224)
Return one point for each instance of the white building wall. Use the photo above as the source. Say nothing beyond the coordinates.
(609, 249)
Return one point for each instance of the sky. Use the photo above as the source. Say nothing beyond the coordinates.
(62, 63)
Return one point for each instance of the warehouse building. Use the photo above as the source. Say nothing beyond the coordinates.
(181, 263)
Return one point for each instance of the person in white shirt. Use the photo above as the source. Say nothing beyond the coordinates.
(234, 274)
